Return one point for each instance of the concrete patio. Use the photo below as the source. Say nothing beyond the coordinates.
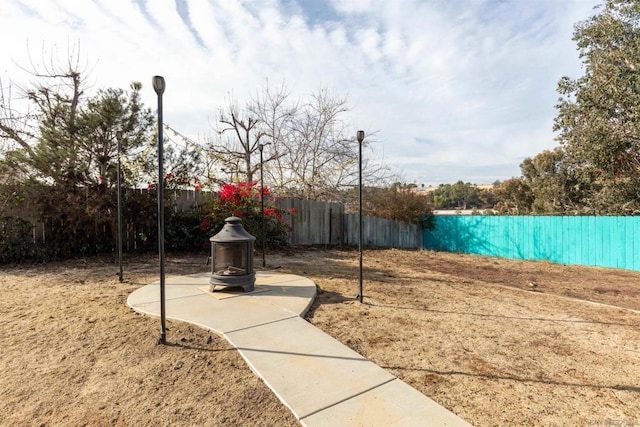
(323, 382)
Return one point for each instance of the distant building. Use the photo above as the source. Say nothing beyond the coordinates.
(444, 212)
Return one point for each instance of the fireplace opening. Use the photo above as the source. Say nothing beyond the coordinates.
(232, 257)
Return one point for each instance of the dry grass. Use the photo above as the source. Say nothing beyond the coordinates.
(74, 354)
(473, 333)
(470, 332)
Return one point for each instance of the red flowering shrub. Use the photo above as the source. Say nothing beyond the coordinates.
(243, 200)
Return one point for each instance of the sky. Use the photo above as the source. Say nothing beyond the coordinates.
(450, 89)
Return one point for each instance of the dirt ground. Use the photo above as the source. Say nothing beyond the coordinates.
(499, 342)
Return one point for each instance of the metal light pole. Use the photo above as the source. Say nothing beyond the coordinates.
(360, 136)
(159, 86)
(119, 214)
(264, 243)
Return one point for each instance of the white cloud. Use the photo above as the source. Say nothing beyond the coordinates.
(474, 79)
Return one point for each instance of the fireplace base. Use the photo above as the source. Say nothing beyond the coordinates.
(246, 281)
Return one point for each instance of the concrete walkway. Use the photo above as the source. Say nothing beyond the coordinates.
(322, 381)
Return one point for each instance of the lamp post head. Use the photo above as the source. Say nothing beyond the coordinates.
(159, 84)
(360, 136)
(262, 144)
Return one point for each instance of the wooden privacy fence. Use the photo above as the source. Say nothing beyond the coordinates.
(139, 234)
(323, 223)
(383, 233)
(182, 199)
(312, 222)
(605, 241)
(326, 223)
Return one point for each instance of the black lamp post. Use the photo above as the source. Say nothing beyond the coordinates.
(119, 214)
(264, 243)
(159, 86)
(360, 136)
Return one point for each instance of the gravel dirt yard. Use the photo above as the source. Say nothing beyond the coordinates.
(499, 342)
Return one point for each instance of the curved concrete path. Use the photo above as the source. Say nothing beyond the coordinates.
(322, 381)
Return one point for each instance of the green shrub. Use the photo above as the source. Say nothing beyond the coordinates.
(183, 231)
(16, 242)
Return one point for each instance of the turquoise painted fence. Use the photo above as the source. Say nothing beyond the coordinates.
(605, 241)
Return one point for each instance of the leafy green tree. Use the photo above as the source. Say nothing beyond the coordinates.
(554, 185)
(487, 197)
(398, 202)
(74, 141)
(598, 116)
(514, 197)
(111, 118)
(456, 196)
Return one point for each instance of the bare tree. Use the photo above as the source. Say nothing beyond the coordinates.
(238, 139)
(319, 154)
(276, 112)
(15, 126)
(51, 112)
(310, 151)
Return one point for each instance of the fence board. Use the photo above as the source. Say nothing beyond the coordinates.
(606, 241)
(632, 246)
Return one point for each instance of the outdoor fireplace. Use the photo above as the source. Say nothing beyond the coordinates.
(232, 257)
